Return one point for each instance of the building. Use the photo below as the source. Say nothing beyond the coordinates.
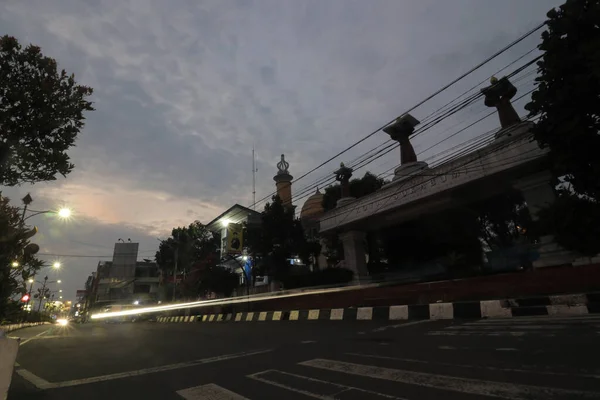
(230, 225)
(123, 280)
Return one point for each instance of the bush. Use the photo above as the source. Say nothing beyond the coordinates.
(324, 277)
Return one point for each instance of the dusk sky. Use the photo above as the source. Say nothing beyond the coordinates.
(184, 89)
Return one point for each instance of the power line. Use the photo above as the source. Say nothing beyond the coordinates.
(327, 180)
(402, 187)
(475, 68)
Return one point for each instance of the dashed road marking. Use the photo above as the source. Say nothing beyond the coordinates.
(328, 390)
(209, 392)
(532, 370)
(444, 382)
(402, 325)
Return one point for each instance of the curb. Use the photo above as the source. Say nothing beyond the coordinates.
(14, 327)
(553, 306)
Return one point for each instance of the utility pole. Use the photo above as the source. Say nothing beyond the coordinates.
(254, 171)
(42, 293)
(175, 258)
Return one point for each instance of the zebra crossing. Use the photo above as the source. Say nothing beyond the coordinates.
(354, 379)
(533, 326)
(356, 375)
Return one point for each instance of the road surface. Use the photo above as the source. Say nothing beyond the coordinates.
(519, 358)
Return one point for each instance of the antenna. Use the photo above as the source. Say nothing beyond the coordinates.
(254, 170)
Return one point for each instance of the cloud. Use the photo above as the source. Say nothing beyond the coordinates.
(183, 93)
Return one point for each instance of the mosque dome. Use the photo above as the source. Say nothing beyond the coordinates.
(313, 207)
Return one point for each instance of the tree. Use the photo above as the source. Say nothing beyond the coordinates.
(217, 279)
(17, 262)
(567, 98)
(503, 219)
(194, 245)
(574, 221)
(41, 114)
(280, 237)
(359, 187)
(568, 102)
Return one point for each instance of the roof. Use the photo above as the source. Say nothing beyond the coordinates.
(234, 214)
(313, 206)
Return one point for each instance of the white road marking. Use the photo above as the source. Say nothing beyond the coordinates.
(43, 384)
(33, 337)
(464, 385)
(342, 388)
(383, 328)
(538, 319)
(507, 327)
(531, 370)
(209, 392)
(308, 341)
(38, 382)
(474, 348)
(458, 333)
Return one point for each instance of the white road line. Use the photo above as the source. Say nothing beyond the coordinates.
(383, 328)
(475, 333)
(538, 319)
(308, 341)
(532, 370)
(209, 392)
(43, 384)
(33, 337)
(343, 388)
(444, 382)
(38, 382)
(474, 348)
(489, 328)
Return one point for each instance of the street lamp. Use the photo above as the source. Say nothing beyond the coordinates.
(15, 264)
(56, 265)
(63, 212)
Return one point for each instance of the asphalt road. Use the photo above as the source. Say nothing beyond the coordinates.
(520, 358)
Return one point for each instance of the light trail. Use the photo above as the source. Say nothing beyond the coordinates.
(234, 300)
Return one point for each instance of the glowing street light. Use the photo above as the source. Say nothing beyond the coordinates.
(60, 291)
(30, 280)
(56, 265)
(59, 281)
(15, 264)
(64, 213)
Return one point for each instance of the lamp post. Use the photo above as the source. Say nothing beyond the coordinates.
(63, 213)
(43, 290)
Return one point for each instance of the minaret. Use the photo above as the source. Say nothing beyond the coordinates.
(283, 181)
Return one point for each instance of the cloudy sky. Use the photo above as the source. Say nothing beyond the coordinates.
(183, 90)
